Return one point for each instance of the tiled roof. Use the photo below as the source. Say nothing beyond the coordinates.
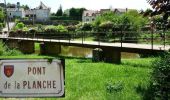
(90, 13)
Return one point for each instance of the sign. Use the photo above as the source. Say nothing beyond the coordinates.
(31, 78)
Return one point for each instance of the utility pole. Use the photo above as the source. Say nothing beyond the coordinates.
(7, 20)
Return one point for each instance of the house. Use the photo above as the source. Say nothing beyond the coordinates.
(16, 12)
(40, 13)
(90, 15)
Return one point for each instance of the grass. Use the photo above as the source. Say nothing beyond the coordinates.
(86, 80)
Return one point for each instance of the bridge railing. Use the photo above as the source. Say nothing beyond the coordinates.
(144, 36)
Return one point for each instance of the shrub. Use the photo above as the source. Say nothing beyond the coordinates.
(25, 29)
(106, 25)
(5, 51)
(50, 29)
(61, 28)
(161, 76)
(71, 28)
(32, 31)
(20, 25)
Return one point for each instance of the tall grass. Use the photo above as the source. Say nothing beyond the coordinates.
(5, 51)
(86, 80)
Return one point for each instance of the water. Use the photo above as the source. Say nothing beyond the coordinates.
(87, 52)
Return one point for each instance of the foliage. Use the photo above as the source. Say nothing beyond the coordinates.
(61, 28)
(62, 18)
(59, 11)
(1, 15)
(76, 13)
(161, 76)
(5, 51)
(85, 27)
(55, 29)
(161, 7)
(116, 87)
(50, 29)
(106, 25)
(20, 25)
(71, 28)
(25, 29)
(26, 7)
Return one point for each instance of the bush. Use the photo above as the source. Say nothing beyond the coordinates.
(61, 28)
(161, 76)
(20, 25)
(71, 28)
(5, 51)
(50, 29)
(106, 26)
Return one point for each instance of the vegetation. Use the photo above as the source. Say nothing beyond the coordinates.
(2, 17)
(161, 7)
(161, 76)
(5, 51)
(56, 29)
(59, 11)
(86, 80)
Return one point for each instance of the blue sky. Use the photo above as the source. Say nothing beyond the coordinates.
(88, 4)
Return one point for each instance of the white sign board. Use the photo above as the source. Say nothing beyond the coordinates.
(31, 78)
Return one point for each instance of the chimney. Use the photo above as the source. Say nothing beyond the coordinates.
(18, 5)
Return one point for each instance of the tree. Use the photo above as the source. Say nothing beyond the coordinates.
(26, 7)
(59, 11)
(76, 12)
(161, 7)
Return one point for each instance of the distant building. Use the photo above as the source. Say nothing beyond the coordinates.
(16, 12)
(40, 13)
(90, 15)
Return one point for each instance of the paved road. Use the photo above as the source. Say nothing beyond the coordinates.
(130, 46)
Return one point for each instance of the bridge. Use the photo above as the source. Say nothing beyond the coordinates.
(111, 51)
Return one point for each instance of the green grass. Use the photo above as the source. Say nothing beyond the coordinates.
(86, 80)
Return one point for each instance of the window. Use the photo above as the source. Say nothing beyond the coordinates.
(93, 19)
(87, 14)
(10, 14)
(87, 20)
(93, 14)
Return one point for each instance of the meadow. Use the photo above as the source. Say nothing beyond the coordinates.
(86, 80)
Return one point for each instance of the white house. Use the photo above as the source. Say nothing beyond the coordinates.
(40, 13)
(89, 15)
(15, 12)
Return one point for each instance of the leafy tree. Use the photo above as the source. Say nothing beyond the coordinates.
(161, 7)
(147, 12)
(59, 11)
(26, 7)
(76, 12)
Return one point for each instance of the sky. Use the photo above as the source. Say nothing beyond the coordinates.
(88, 4)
